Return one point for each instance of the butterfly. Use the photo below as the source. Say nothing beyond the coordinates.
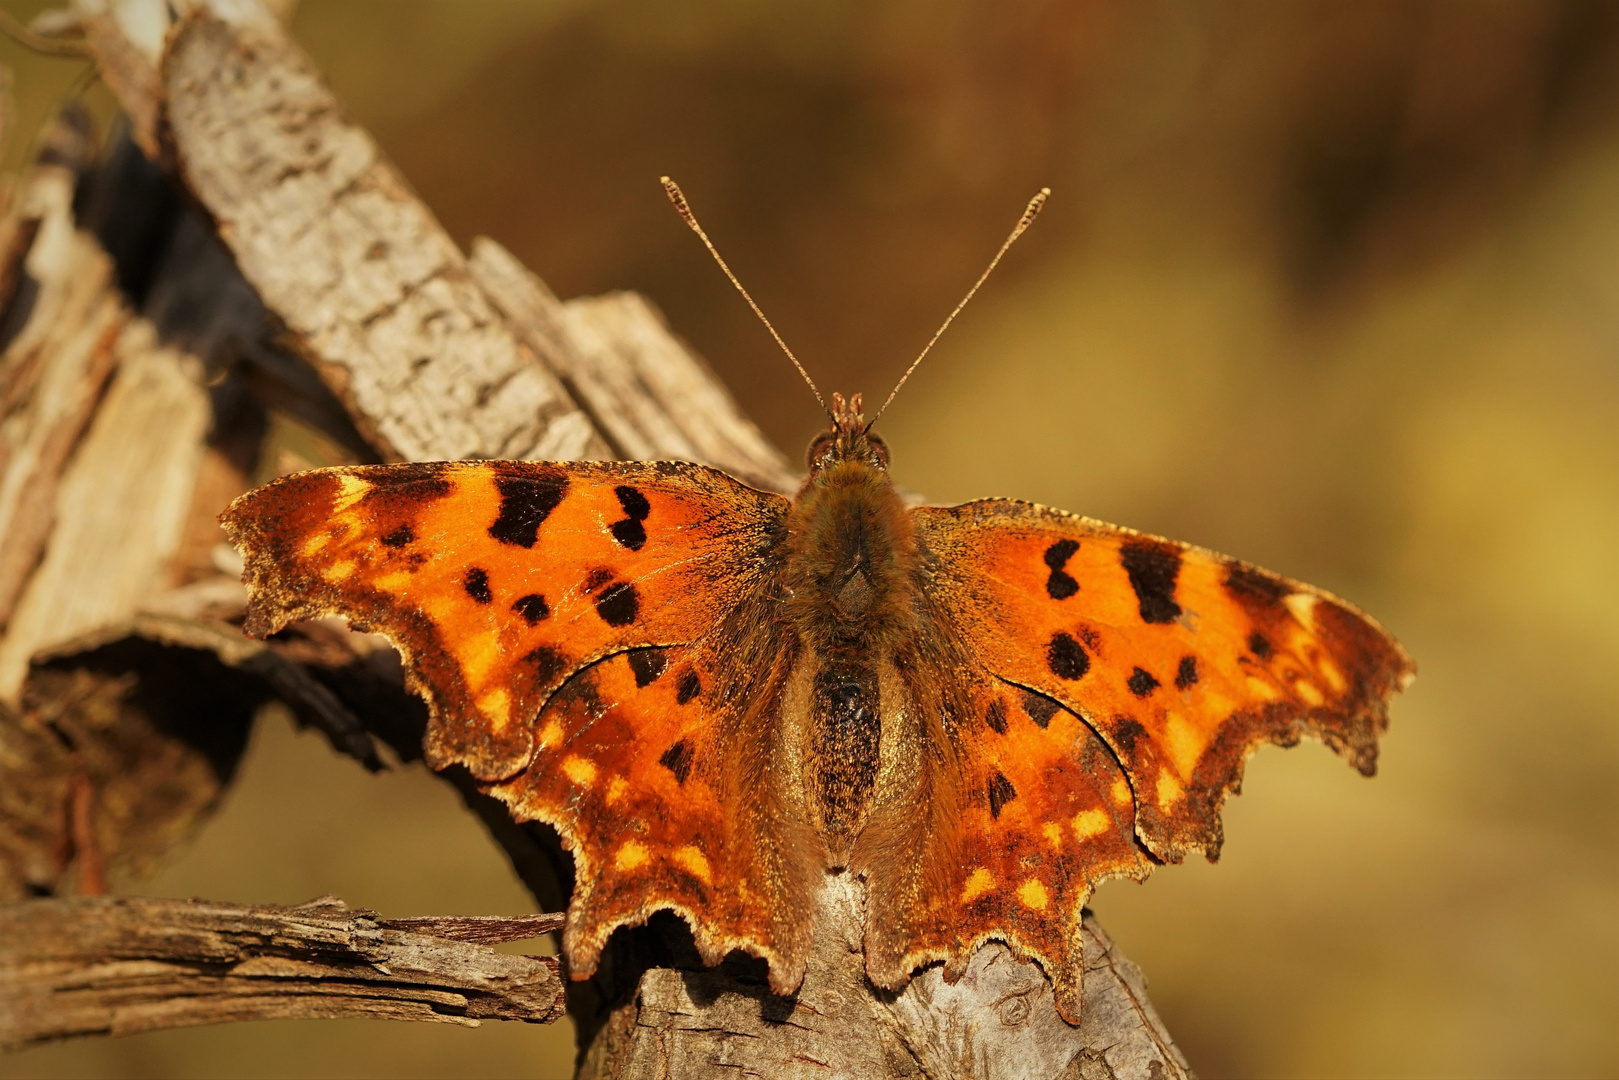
(719, 695)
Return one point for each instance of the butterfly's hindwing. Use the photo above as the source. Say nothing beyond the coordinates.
(645, 765)
(1004, 839)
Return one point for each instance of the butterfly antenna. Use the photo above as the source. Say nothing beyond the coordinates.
(678, 197)
(1030, 212)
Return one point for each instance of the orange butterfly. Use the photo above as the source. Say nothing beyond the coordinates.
(718, 695)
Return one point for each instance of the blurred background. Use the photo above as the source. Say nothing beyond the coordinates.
(1333, 287)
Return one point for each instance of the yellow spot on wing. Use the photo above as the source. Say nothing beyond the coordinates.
(313, 545)
(632, 855)
(695, 861)
(350, 490)
(1334, 677)
(1121, 792)
(979, 882)
(1307, 692)
(1184, 743)
(338, 571)
(496, 707)
(1302, 605)
(1053, 833)
(1262, 688)
(1033, 894)
(478, 655)
(579, 770)
(393, 582)
(550, 735)
(616, 788)
(1089, 823)
(1169, 790)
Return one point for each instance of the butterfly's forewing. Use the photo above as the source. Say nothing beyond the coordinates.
(596, 641)
(1182, 661)
(1035, 812)
(497, 580)
(654, 772)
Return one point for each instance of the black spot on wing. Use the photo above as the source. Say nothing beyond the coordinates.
(630, 532)
(1066, 657)
(1254, 588)
(1060, 585)
(548, 663)
(532, 608)
(690, 686)
(403, 489)
(1258, 645)
(1040, 708)
(634, 503)
(677, 759)
(400, 537)
(1001, 792)
(995, 717)
(1186, 674)
(476, 583)
(1125, 733)
(648, 664)
(617, 602)
(525, 502)
(1141, 682)
(1153, 568)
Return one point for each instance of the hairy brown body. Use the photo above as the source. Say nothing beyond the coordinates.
(852, 591)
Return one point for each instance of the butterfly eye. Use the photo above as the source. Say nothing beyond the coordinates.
(879, 448)
(822, 445)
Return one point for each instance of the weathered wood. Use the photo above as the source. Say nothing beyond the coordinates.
(122, 435)
(998, 1022)
(131, 477)
(101, 773)
(64, 313)
(119, 965)
(334, 241)
(649, 395)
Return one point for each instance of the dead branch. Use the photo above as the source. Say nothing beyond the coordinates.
(120, 965)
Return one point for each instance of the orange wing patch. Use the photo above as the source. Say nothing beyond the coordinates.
(640, 768)
(1045, 814)
(1182, 660)
(497, 580)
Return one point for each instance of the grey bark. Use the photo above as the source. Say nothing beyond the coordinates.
(308, 282)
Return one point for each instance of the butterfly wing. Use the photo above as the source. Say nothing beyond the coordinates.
(1181, 660)
(655, 771)
(1023, 812)
(497, 580)
(592, 639)
(1086, 687)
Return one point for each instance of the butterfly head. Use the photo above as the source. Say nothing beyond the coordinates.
(848, 439)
